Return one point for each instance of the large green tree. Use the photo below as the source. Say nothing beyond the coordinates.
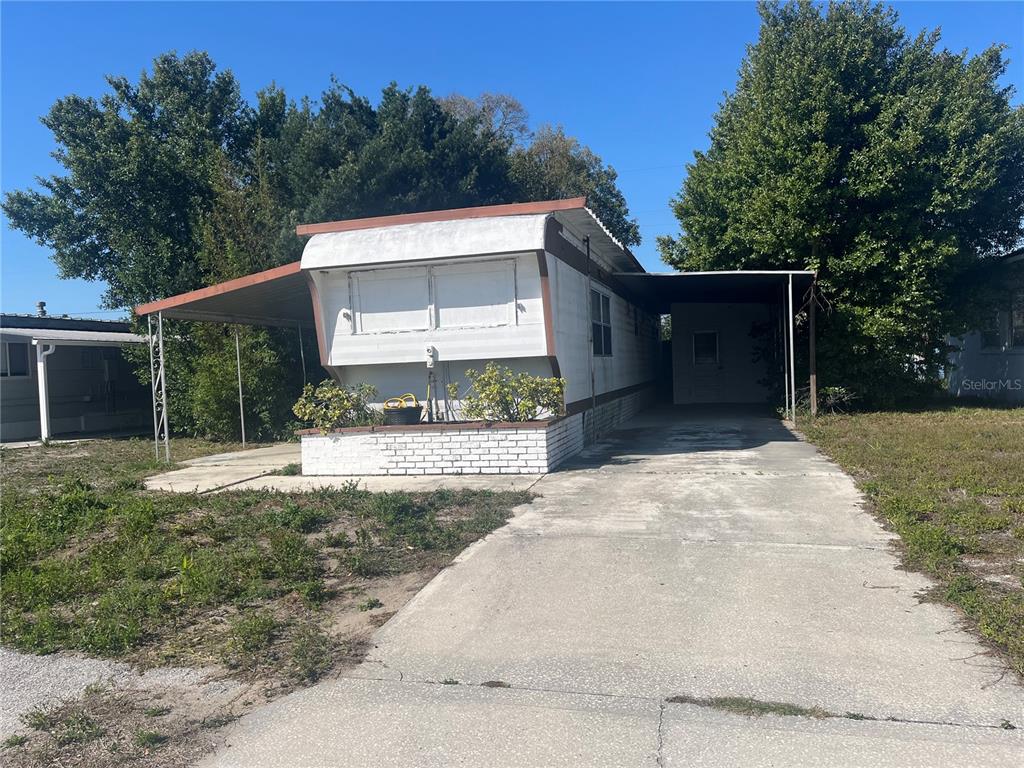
(891, 166)
(547, 164)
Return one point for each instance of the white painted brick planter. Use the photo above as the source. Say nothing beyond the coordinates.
(528, 448)
(449, 449)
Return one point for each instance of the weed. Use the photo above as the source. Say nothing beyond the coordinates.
(449, 681)
(40, 719)
(156, 711)
(312, 654)
(76, 728)
(741, 705)
(290, 470)
(217, 721)
(495, 684)
(339, 540)
(250, 636)
(369, 604)
(366, 564)
(296, 517)
(15, 740)
(148, 739)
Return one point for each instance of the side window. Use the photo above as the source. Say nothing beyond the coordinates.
(1017, 320)
(991, 338)
(601, 323)
(705, 348)
(14, 359)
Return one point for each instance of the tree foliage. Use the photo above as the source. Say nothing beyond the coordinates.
(174, 182)
(892, 167)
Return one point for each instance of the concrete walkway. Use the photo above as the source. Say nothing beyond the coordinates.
(687, 556)
(224, 470)
(253, 470)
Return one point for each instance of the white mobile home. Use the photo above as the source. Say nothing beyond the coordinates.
(539, 287)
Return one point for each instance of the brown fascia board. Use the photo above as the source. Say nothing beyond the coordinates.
(454, 214)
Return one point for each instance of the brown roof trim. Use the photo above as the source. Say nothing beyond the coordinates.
(453, 214)
(215, 290)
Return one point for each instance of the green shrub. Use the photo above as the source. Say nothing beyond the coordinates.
(329, 406)
(500, 394)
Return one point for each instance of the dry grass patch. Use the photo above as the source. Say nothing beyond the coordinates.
(950, 482)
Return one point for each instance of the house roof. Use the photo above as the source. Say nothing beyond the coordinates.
(457, 232)
(68, 337)
(280, 296)
(65, 322)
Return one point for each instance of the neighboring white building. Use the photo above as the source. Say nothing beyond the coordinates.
(539, 287)
(989, 362)
(72, 367)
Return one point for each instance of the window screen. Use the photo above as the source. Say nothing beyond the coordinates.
(14, 359)
(392, 300)
(601, 323)
(475, 295)
(705, 348)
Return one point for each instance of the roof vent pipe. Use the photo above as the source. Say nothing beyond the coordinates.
(41, 308)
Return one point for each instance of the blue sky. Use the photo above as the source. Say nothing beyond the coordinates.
(638, 83)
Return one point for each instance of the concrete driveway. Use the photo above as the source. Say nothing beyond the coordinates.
(690, 556)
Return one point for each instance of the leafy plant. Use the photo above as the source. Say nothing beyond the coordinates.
(369, 604)
(329, 406)
(500, 394)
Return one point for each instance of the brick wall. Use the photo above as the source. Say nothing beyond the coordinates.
(436, 449)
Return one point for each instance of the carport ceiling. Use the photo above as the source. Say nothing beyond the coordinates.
(276, 297)
(663, 289)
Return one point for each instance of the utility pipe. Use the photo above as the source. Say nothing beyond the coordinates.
(43, 351)
(238, 367)
(792, 353)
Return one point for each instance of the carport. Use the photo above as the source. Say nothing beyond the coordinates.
(710, 308)
(276, 298)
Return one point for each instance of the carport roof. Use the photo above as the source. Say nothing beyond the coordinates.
(662, 289)
(274, 297)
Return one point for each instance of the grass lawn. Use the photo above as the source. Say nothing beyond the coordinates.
(276, 589)
(950, 482)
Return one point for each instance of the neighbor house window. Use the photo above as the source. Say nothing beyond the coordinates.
(601, 323)
(1017, 320)
(14, 359)
(991, 338)
(705, 348)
